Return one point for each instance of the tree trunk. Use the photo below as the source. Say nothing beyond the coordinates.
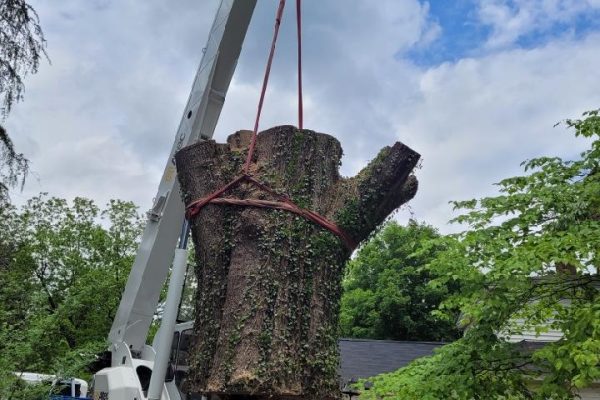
(269, 281)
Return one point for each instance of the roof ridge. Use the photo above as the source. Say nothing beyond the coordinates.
(391, 341)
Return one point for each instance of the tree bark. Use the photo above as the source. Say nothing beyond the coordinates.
(269, 281)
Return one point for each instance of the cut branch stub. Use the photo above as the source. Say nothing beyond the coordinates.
(269, 281)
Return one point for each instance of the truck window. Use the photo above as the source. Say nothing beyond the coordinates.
(172, 358)
(181, 368)
(63, 388)
(184, 348)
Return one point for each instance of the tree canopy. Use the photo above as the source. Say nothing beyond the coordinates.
(63, 267)
(22, 45)
(386, 291)
(527, 262)
(13, 166)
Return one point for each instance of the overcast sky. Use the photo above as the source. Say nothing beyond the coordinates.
(475, 86)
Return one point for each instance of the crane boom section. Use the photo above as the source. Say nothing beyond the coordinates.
(155, 253)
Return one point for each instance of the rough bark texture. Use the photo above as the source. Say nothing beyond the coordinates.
(269, 282)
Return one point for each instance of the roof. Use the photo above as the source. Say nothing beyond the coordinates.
(363, 358)
(532, 345)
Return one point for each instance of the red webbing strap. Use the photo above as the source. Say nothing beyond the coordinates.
(264, 85)
(299, 30)
(287, 204)
(290, 207)
(193, 209)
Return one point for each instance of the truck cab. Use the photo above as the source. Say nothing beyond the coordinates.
(178, 360)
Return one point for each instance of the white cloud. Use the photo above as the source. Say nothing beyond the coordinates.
(512, 19)
(479, 118)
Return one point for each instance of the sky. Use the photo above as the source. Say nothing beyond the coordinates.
(474, 86)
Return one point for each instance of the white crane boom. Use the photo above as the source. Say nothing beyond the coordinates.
(155, 253)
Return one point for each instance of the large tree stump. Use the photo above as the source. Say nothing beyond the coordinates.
(269, 282)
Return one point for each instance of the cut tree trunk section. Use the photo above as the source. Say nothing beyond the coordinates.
(269, 281)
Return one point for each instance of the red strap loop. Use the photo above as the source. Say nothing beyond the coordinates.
(284, 203)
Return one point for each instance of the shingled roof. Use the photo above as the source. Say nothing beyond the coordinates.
(363, 358)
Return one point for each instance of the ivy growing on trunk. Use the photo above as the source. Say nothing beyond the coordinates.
(269, 281)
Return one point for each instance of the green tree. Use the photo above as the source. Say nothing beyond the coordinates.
(61, 283)
(14, 167)
(529, 261)
(386, 291)
(22, 45)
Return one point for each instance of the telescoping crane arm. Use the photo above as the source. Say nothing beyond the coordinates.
(155, 253)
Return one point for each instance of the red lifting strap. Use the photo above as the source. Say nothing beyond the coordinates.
(193, 209)
(285, 203)
(264, 85)
(299, 29)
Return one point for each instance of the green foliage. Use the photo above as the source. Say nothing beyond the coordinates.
(11, 387)
(457, 371)
(14, 167)
(386, 291)
(527, 263)
(62, 270)
(22, 44)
